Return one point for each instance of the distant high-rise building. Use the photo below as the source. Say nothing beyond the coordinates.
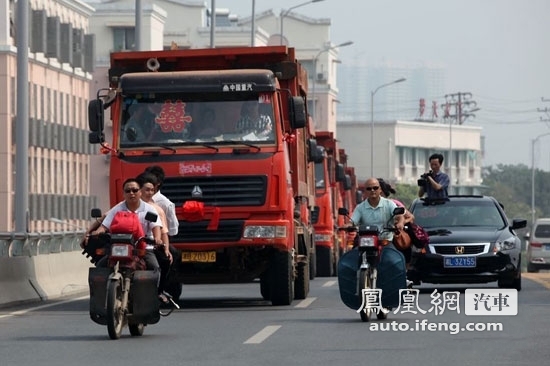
(400, 101)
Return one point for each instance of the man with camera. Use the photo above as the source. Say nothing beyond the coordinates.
(434, 183)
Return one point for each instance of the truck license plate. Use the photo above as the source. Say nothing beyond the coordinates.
(200, 257)
(459, 262)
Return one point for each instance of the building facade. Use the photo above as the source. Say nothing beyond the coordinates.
(60, 63)
(402, 149)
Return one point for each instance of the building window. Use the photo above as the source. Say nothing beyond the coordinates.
(123, 39)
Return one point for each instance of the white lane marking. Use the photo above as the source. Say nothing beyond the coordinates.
(329, 283)
(262, 335)
(22, 312)
(305, 302)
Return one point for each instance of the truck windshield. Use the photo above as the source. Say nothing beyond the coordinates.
(173, 122)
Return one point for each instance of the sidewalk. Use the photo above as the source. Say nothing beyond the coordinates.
(542, 278)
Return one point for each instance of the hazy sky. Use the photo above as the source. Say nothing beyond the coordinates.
(498, 50)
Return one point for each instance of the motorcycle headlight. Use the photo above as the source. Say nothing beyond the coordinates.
(367, 241)
(120, 250)
(507, 244)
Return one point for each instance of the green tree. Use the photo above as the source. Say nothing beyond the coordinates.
(511, 185)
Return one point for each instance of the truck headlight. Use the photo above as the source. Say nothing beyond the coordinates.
(321, 237)
(267, 232)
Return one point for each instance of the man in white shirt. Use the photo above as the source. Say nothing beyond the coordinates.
(167, 206)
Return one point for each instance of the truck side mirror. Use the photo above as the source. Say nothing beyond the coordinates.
(347, 182)
(96, 138)
(312, 150)
(95, 115)
(320, 155)
(343, 211)
(358, 197)
(298, 117)
(340, 173)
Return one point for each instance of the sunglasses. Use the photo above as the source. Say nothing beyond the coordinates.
(372, 188)
(133, 190)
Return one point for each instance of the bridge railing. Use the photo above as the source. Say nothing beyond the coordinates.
(33, 244)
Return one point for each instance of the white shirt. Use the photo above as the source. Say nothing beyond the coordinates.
(169, 209)
(142, 210)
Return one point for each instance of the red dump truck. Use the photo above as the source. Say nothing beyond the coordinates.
(329, 193)
(230, 128)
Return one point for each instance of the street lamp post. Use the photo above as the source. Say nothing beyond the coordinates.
(253, 25)
(284, 13)
(314, 78)
(533, 142)
(372, 121)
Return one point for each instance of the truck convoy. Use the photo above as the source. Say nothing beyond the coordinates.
(333, 189)
(230, 128)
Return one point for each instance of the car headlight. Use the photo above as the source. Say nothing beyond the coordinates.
(267, 232)
(367, 241)
(507, 244)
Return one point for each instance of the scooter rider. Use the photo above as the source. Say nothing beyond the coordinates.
(376, 210)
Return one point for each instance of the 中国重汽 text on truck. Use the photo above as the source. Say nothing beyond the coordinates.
(230, 129)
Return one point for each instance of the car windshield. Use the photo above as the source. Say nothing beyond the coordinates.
(166, 121)
(459, 214)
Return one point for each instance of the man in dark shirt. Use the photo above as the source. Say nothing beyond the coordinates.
(436, 183)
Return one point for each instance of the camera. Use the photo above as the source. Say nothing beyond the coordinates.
(424, 179)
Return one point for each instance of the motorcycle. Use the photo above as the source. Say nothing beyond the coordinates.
(358, 270)
(123, 293)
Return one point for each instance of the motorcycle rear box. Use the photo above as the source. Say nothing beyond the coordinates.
(97, 280)
(392, 275)
(143, 292)
(347, 279)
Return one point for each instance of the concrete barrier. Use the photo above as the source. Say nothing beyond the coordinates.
(37, 267)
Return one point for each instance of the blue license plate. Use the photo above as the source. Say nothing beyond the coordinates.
(459, 262)
(546, 246)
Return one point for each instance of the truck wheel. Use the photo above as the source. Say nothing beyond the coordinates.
(265, 288)
(301, 284)
(312, 266)
(324, 261)
(282, 281)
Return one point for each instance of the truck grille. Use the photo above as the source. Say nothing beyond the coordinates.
(218, 191)
(195, 232)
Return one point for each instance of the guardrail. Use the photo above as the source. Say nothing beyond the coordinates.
(33, 244)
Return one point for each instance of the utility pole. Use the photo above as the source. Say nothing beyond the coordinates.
(544, 110)
(464, 107)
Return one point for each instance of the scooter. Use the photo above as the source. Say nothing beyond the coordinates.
(123, 293)
(358, 269)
